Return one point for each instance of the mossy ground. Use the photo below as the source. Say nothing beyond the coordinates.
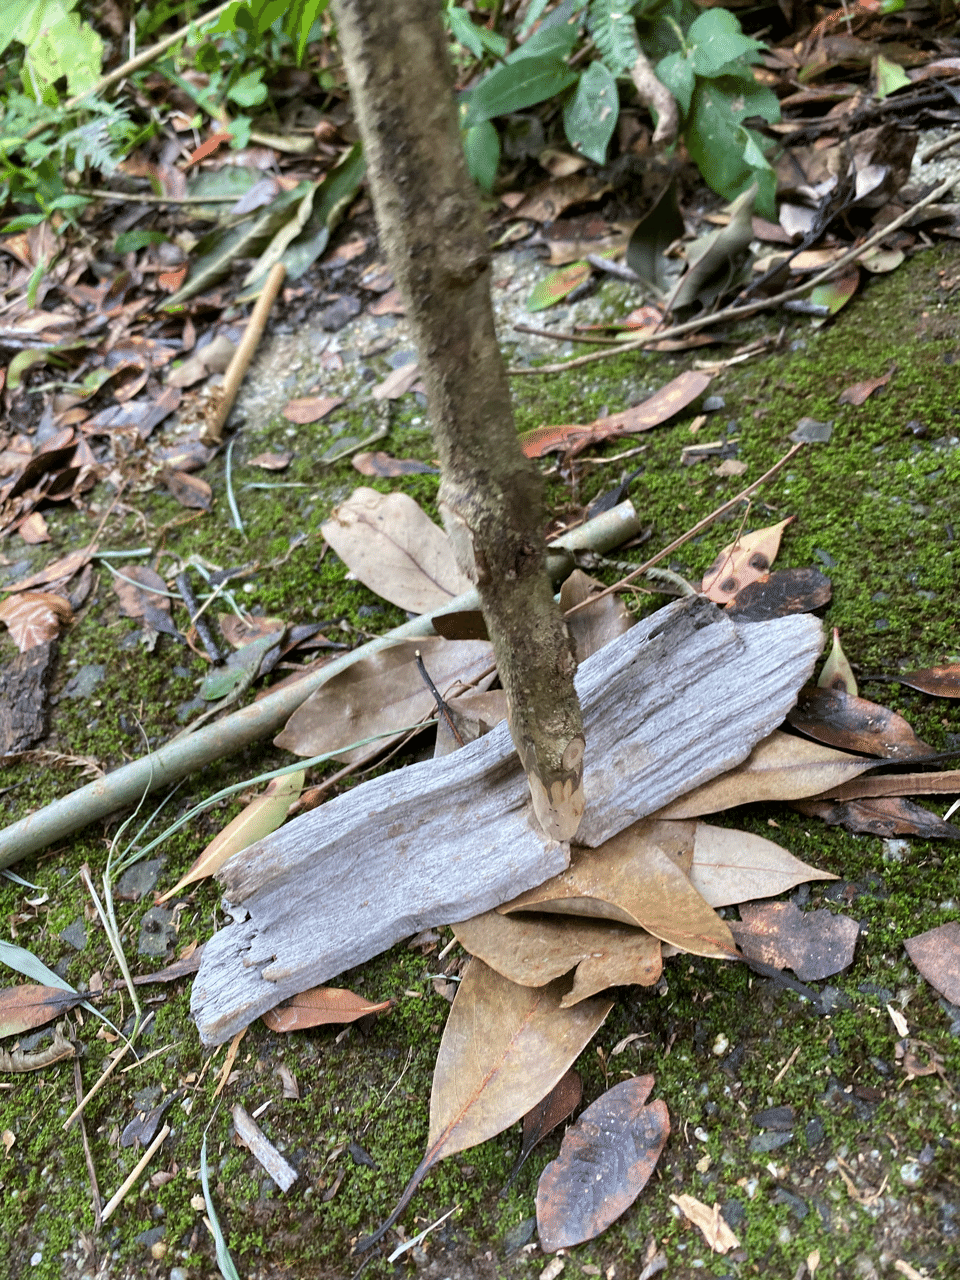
(877, 508)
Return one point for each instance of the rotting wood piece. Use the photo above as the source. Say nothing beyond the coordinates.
(681, 697)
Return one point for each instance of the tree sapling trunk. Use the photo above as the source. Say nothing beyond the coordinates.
(491, 495)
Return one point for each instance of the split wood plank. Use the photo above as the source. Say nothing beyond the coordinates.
(678, 699)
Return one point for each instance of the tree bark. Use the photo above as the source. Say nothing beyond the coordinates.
(491, 495)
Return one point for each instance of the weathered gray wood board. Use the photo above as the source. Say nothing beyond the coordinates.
(678, 699)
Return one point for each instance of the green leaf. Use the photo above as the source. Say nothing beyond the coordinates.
(714, 39)
(477, 39)
(131, 241)
(890, 77)
(716, 141)
(225, 1264)
(653, 234)
(614, 33)
(481, 146)
(555, 36)
(590, 116)
(517, 85)
(557, 285)
(334, 196)
(677, 73)
(248, 90)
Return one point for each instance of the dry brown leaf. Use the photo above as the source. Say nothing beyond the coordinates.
(605, 1161)
(395, 549)
(597, 623)
(61, 569)
(781, 767)
(883, 816)
(34, 617)
(746, 560)
(550, 1111)
(472, 714)
(736, 866)
(213, 358)
(270, 461)
(399, 382)
(814, 944)
(258, 819)
(631, 879)
(33, 529)
(320, 1006)
(715, 1231)
(854, 724)
(381, 694)
(311, 408)
(944, 782)
(940, 682)
(29, 1005)
(503, 1049)
(936, 954)
(533, 950)
(189, 491)
(779, 593)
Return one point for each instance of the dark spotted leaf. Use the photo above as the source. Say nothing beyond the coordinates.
(605, 1161)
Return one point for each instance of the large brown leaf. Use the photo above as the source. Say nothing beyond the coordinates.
(34, 617)
(503, 1049)
(634, 880)
(381, 694)
(736, 866)
(781, 767)
(855, 724)
(814, 944)
(605, 1161)
(882, 816)
(29, 1005)
(395, 549)
(533, 950)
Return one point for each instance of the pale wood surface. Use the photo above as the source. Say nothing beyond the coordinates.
(681, 697)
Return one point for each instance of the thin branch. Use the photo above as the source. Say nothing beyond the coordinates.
(244, 353)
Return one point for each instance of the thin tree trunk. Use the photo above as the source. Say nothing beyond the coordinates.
(491, 495)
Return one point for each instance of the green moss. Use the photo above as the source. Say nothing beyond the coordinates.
(877, 510)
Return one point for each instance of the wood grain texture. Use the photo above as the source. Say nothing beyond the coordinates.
(681, 697)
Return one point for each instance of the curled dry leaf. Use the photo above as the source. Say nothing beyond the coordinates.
(320, 1006)
(632, 879)
(532, 950)
(34, 617)
(781, 767)
(189, 491)
(258, 819)
(854, 724)
(605, 1161)
(946, 782)
(29, 1005)
(937, 955)
(503, 1049)
(143, 594)
(395, 549)
(814, 944)
(708, 1218)
(746, 560)
(379, 694)
(882, 816)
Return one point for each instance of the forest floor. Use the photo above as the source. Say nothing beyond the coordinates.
(862, 1177)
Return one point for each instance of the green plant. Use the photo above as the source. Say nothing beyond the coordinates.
(710, 76)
